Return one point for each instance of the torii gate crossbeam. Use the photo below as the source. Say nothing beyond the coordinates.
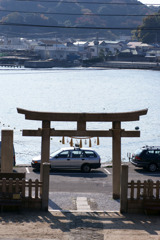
(82, 118)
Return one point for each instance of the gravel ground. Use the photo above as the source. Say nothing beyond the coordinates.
(97, 201)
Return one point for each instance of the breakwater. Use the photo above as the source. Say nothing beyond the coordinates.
(128, 65)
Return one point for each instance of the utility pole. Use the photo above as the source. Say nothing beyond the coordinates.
(97, 44)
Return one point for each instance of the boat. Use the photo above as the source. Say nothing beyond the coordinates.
(50, 63)
(39, 64)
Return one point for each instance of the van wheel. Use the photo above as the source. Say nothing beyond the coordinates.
(152, 167)
(86, 168)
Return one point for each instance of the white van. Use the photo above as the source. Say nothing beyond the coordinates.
(71, 158)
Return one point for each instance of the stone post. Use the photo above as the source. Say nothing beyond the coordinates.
(7, 151)
(45, 186)
(124, 189)
(116, 154)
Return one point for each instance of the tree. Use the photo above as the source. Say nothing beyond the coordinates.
(101, 54)
(146, 32)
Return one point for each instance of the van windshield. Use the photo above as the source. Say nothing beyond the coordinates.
(56, 153)
(138, 151)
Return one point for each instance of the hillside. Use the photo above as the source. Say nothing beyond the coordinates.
(69, 13)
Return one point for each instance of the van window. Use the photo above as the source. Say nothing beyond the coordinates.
(64, 154)
(77, 154)
(157, 152)
(90, 154)
(150, 152)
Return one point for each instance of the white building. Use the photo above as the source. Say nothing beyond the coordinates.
(141, 48)
(54, 49)
(13, 44)
(107, 47)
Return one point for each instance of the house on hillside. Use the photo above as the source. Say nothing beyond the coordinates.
(134, 51)
(111, 47)
(55, 49)
(11, 44)
(105, 48)
(82, 47)
(50, 49)
(153, 55)
(140, 47)
(128, 55)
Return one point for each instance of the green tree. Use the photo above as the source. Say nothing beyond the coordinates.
(101, 54)
(149, 31)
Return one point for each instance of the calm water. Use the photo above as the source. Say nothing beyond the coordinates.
(79, 90)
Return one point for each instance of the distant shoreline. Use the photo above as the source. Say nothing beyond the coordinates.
(99, 65)
(127, 65)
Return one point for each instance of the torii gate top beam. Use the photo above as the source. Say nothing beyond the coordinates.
(83, 117)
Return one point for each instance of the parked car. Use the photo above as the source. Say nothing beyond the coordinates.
(147, 157)
(84, 159)
(14, 158)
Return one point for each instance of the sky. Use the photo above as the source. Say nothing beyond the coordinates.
(150, 1)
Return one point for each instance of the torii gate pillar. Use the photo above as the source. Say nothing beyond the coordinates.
(116, 158)
(45, 144)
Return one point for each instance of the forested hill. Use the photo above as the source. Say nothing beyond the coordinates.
(19, 16)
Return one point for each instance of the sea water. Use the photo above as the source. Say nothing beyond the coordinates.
(79, 90)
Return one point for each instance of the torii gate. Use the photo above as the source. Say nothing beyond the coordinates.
(82, 118)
